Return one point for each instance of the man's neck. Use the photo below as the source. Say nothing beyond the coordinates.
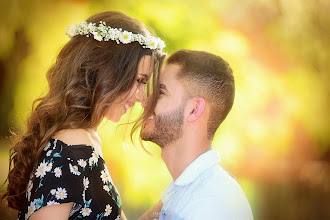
(180, 154)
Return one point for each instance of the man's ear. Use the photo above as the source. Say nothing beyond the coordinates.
(197, 108)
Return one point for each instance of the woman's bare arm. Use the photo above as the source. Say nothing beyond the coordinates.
(53, 212)
(122, 215)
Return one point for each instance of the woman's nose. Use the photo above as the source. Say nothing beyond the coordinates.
(144, 103)
(140, 94)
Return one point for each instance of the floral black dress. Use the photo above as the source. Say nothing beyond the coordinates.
(72, 173)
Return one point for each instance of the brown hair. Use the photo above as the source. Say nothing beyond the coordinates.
(86, 78)
(208, 76)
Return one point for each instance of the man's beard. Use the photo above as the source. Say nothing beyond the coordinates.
(168, 128)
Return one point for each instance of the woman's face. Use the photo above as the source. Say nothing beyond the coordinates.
(136, 94)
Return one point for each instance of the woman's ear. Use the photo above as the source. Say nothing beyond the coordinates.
(197, 108)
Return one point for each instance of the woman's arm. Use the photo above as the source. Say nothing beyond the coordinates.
(123, 216)
(153, 213)
(53, 212)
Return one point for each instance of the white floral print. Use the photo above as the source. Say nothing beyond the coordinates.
(104, 177)
(82, 163)
(58, 172)
(61, 193)
(108, 210)
(43, 168)
(31, 209)
(62, 177)
(85, 182)
(74, 169)
(52, 203)
(47, 146)
(86, 212)
(106, 188)
(93, 159)
(49, 153)
(53, 191)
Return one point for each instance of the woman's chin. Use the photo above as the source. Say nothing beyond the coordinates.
(113, 119)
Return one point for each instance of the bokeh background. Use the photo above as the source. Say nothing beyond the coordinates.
(275, 140)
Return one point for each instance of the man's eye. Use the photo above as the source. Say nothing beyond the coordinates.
(161, 92)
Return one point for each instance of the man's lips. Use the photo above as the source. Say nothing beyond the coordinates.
(150, 118)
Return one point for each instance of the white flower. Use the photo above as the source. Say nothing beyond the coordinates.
(82, 163)
(118, 217)
(85, 182)
(153, 45)
(58, 172)
(52, 203)
(104, 32)
(53, 191)
(108, 210)
(61, 193)
(83, 195)
(97, 36)
(47, 146)
(106, 188)
(49, 153)
(74, 169)
(104, 177)
(49, 166)
(93, 159)
(90, 161)
(86, 211)
(43, 168)
(31, 208)
(55, 142)
(126, 37)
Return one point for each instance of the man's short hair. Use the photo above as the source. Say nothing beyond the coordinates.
(209, 76)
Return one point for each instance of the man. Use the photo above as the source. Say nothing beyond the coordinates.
(196, 93)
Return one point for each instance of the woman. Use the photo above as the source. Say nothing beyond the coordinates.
(58, 171)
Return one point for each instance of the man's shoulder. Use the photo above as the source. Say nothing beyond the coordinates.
(216, 184)
(219, 195)
(216, 181)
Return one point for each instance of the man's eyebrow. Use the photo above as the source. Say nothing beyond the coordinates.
(145, 76)
(162, 86)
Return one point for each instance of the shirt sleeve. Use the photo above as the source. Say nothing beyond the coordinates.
(59, 178)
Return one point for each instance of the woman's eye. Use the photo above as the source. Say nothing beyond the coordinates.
(161, 92)
(142, 81)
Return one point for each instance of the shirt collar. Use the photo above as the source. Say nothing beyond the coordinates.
(197, 167)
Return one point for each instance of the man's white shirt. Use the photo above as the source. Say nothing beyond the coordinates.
(205, 190)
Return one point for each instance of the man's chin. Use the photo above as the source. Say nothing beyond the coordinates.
(146, 136)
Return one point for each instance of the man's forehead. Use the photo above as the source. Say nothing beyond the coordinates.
(169, 72)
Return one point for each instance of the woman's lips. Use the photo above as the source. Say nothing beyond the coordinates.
(127, 106)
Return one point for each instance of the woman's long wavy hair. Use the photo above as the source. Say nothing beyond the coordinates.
(86, 78)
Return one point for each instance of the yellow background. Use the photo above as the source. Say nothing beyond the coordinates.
(275, 141)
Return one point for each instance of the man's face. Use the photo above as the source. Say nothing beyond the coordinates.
(165, 126)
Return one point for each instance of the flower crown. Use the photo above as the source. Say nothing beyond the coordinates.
(106, 33)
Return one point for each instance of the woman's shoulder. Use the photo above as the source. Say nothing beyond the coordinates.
(73, 137)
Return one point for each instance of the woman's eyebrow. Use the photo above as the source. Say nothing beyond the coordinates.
(145, 76)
